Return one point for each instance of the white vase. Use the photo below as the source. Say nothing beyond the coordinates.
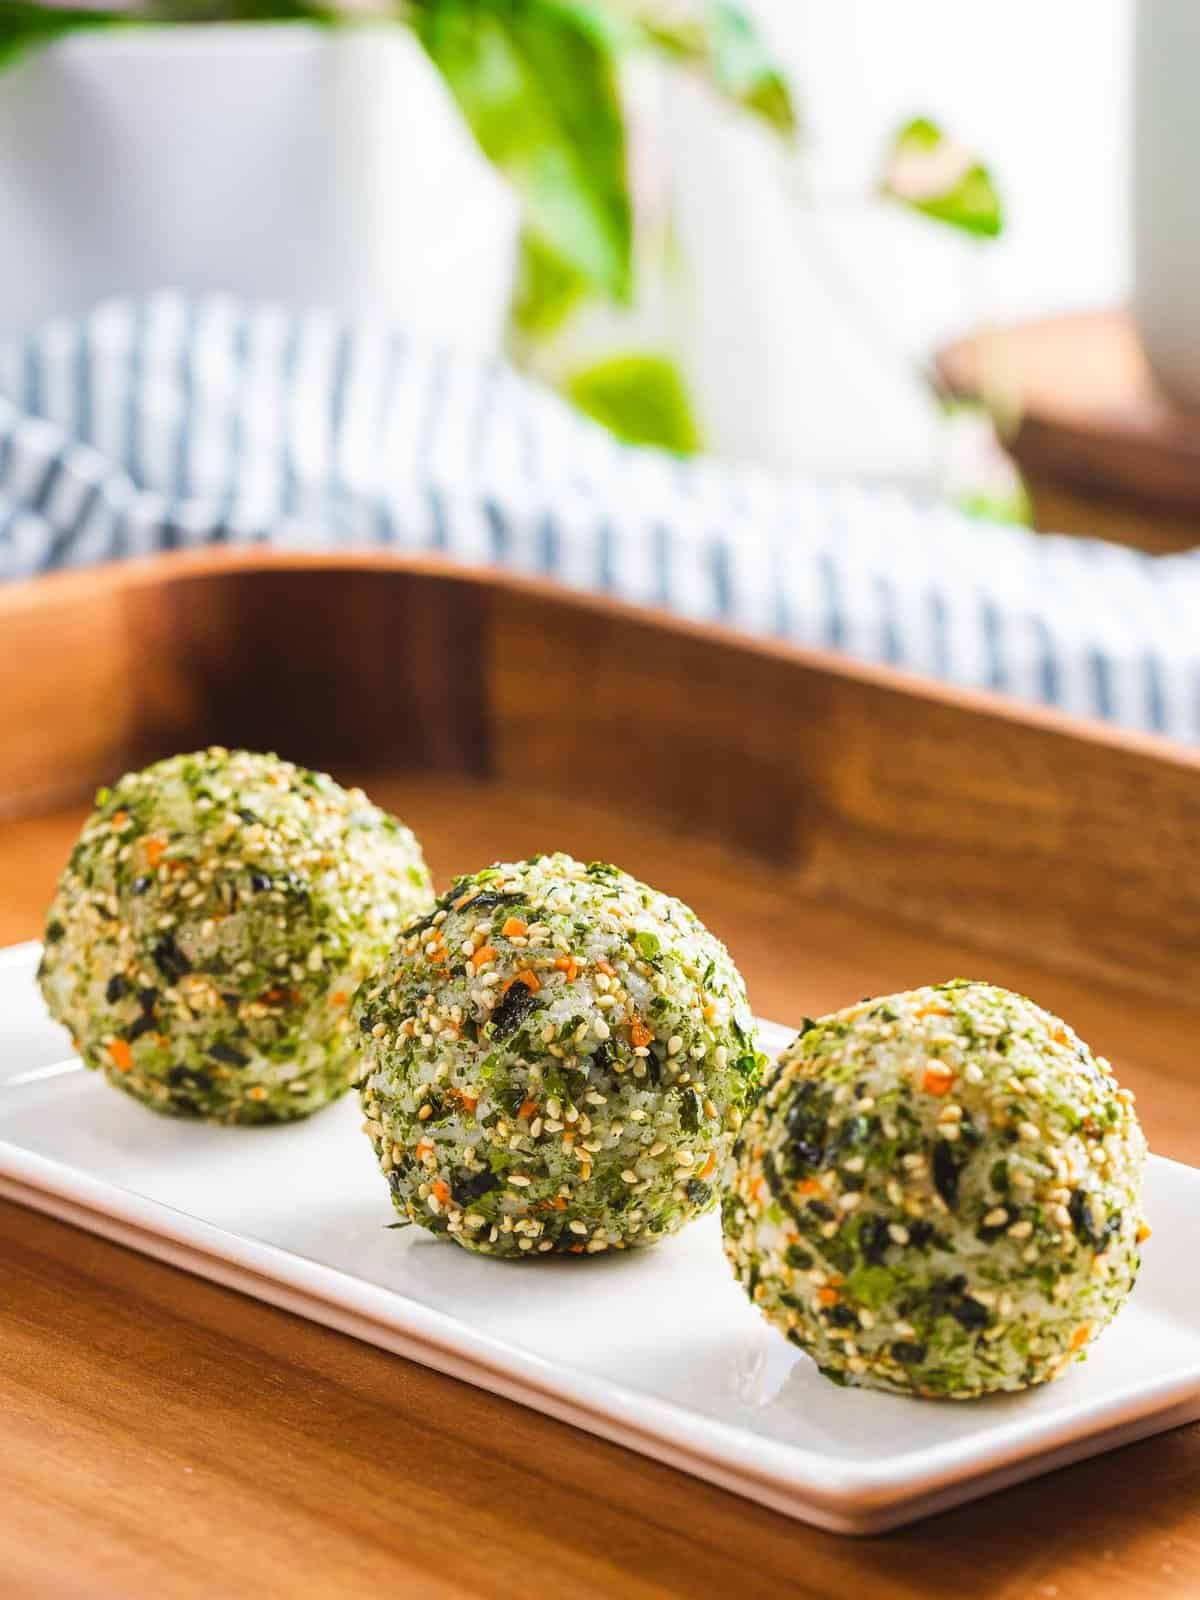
(787, 370)
(278, 162)
(1166, 193)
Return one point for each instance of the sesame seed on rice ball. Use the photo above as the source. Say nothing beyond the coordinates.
(209, 931)
(557, 1059)
(938, 1193)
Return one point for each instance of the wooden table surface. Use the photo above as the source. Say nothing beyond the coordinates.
(160, 1436)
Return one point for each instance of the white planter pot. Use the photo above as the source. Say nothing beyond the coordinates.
(1166, 193)
(786, 370)
(278, 162)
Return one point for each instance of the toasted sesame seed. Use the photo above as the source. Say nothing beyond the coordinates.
(519, 1180)
(996, 1218)
(1020, 1230)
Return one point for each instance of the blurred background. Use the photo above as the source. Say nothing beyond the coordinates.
(795, 305)
(941, 250)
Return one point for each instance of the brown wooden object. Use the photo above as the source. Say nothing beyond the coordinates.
(1102, 451)
(847, 831)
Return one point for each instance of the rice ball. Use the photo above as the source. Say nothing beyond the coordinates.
(557, 1058)
(939, 1193)
(210, 929)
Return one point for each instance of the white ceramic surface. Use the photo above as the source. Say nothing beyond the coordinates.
(658, 1351)
(1166, 195)
(278, 162)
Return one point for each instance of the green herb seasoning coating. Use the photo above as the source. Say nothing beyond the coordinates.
(556, 1059)
(939, 1193)
(210, 929)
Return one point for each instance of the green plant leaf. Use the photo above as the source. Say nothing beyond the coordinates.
(536, 81)
(723, 43)
(548, 288)
(26, 27)
(641, 397)
(931, 173)
(745, 71)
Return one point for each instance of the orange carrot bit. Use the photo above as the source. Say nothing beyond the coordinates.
(467, 1101)
(639, 1033)
(528, 1108)
(559, 1203)
(938, 1078)
(575, 1249)
(119, 819)
(1144, 1232)
(424, 1148)
(569, 965)
(828, 1297)
(530, 979)
(339, 998)
(606, 967)
(440, 1190)
(485, 953)
(1061, 1036)
(121, 1055)
(155, 848)
(1081, 1335)
(710, 1166)
(933, 1011)
(810, 1186)
(514, 928)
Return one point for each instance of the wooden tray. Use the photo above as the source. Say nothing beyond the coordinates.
(847, 830)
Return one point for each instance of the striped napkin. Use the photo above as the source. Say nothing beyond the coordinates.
(178, 422)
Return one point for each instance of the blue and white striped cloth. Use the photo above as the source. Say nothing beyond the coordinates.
(180, 422)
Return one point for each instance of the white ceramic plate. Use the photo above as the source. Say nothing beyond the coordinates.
(657, 1350)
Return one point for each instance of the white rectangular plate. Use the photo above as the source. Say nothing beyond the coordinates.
(657, 1350)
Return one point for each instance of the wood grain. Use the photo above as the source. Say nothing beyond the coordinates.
(962, 813)
(847, 831)
(163, 1437)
